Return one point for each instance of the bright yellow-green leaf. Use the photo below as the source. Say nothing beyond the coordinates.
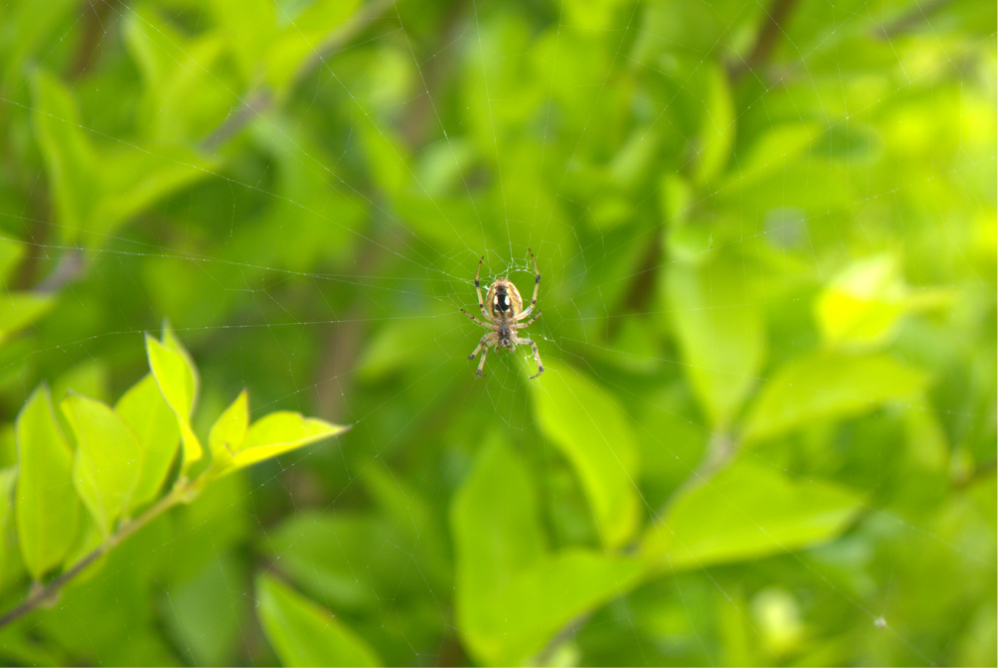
(278, 433)
(176, 377)
(721, 333)
(20, 309)
(303, 633)
(594, 434)
(143, 409)
(747, 511)
(108, 459)
(862, 306)
(229, 431)
(717, 131)
(47, 507)
(829, 385)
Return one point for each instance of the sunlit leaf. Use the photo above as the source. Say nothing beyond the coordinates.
(143, 409)
(176, 378)
(304, 634)
(594, 434)
(47, 507)
(108, 459)
(278, 433)
(747, 511)
(829, 385)
(229, 430)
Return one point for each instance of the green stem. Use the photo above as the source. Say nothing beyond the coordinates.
(183, 491)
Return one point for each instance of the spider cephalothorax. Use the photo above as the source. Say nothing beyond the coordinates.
(503, 315)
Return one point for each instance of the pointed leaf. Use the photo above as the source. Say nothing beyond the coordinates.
(305, 634)
(829, 385)
(108, 459)
(594, 434)
(748, 511)
(229, 431)
(278, 433)
(47, 507)
(177, 380)
(144, 410)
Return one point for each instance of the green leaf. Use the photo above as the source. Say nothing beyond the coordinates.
(143, 409)
(863, 305)
(47, 508)
(748, 511)
(108, 459)
(829, 385)
(512, 595)
(721, 334)
(229, 431)
(278, 433)
(305, 634)
(177, 380)
(69, 160)
(11, 254)
(20, 309)
(594, 434)
(717, 132)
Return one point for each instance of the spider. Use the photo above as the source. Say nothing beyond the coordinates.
(504, 315)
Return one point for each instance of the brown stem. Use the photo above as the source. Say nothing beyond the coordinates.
(766, 40)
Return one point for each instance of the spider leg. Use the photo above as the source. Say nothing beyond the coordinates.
(521, 325)
(478, 290)
(537, 285)
(483, 346)
(477, 321)
(537, 355)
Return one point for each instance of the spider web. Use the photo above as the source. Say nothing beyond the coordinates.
(395, 344)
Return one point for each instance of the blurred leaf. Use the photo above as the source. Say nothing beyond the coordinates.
(717, 132)
(862, 305)
(229, 431)
(594, 434)
(828, 385)
(278, 433)
(747, 511)
(143, 409)
(20, 309)
(721, 334)
(108, 459)
(177, 380)
(305, 634)
(69, 158)
(11, 254)
(47, 507)
(512, 595)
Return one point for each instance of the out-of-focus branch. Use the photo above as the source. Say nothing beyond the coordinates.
(766, 40)
(259, 101)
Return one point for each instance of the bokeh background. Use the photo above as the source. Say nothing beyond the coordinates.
(767, 234)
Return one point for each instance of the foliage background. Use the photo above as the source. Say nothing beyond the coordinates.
(766, 433)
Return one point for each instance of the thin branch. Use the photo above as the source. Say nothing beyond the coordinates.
(261, 100)
(766, 40)
(180, 492)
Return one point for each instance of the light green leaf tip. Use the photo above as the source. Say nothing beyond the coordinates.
(305, 634)
(278, 433)
(229, 431)
(177, 380)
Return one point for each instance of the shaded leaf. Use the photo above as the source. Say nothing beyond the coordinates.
(20, 309)
(305, 634)
(47, 507)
